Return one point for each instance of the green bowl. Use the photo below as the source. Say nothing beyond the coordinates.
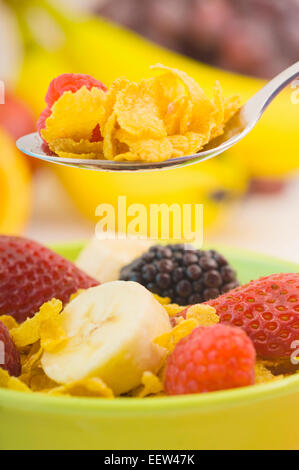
(258, 417)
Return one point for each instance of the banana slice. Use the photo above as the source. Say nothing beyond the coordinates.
(103, 259)
(111, 329)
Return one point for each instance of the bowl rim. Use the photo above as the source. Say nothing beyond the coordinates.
(40, 402)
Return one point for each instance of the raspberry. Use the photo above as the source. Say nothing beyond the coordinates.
(9, 356)
(268, 310)
(96, 134)
(211, 358)
(41, 123)
(68, 82)
(31, 274)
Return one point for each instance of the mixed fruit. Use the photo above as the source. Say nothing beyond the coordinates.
(156, 119)
(166, 320)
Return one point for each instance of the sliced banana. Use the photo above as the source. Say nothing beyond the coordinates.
(103, 259)
(111, 329)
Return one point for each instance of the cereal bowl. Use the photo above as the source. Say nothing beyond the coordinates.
(257, 417)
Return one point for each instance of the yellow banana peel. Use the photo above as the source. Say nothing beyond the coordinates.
(15, 184)
(39, 67)
(215, 184)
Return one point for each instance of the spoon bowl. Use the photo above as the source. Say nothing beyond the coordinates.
(236, 129)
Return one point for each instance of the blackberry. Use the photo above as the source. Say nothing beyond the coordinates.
(182, 273)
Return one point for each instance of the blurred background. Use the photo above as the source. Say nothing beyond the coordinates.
(250, 194)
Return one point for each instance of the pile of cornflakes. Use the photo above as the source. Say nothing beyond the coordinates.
(159, 118)
(44, 332)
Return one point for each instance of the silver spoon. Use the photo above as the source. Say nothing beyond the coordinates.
(237, 128)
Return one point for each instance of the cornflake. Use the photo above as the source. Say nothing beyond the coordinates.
(156, 119)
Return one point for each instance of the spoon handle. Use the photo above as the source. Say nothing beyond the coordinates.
(259, 102)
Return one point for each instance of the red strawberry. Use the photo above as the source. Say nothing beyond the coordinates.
(268, 310)
(68, 82)
(9, 356)
(211, 358)
(31, 274)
